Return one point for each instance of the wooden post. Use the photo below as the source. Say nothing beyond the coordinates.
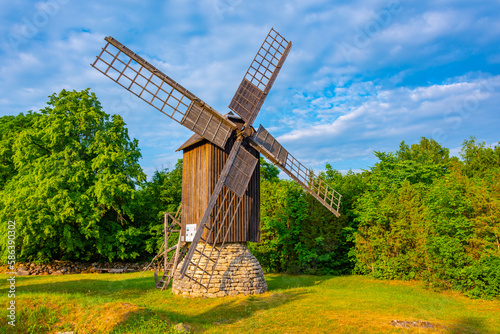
(165, 236)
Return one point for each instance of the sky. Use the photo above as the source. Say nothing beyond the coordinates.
(361, 76)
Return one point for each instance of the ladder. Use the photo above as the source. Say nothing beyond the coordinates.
(171, 224)
(171, 266)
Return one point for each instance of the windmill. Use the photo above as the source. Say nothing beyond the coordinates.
(220, 219)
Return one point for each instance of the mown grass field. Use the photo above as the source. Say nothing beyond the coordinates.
(127, 303)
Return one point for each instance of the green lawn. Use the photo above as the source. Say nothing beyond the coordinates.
(127, 303)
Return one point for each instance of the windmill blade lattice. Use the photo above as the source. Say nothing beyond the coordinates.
(228, 193)
(206, 264)
(160, 91)
(260, 77)
(141, 78)
(266, 144)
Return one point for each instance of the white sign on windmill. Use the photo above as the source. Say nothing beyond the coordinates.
(190, 232)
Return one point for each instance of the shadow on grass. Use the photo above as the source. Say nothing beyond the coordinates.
(160, 310)
(277, 282)
(107, 284)
(149, 321)
(470, 325)
(116, 284)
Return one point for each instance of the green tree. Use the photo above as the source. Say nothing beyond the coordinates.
(10, 127)
(427, 216)
(389, 210)
(479, 160)
(338, 233)
(268, 171)
(283, 213)
(463, 248)
(299, 235)
(418, 163)
(426, 151)
(162, 194)
(70, 194)
(390, 241)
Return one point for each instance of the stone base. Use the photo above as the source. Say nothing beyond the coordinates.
(237, 272)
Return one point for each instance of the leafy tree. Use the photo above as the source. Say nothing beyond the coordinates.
(283, 211)
(162, 194)
(392, 232)
(479, 160)
(268, 171)
(338, 232)
(427, 151)
(423, 217)
(420, 163)
(10, 127)
(389, 210)
(299, 235)
(71, 182)
(463, 247)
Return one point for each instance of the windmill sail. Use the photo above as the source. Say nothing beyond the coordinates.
(157, 89)
(260, 77)
(211, 237)
(266, 144)
(141, 78)
(228, 192)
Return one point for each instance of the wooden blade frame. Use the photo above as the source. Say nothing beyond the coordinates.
(266, 144)
(260, 77)
(141, 78)
(228, 192)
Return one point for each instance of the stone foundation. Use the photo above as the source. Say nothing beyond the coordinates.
(237, 272)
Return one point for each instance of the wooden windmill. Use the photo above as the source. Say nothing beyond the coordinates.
(220, 176)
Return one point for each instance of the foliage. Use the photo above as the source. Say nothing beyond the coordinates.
(283, 210)
(298, 234)
(463, 248)
(268, 171)
(10, 126)
(70, 179)
(479, 160)
(162, 194)
(437, 221)
(70, 173)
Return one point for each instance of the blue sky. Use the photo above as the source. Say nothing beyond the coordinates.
(361, 76)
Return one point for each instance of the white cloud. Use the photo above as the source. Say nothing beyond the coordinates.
(429, 70)
(392, 115)
(423, 28)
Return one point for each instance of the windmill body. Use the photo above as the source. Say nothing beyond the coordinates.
(221, 174)
(202, 165)
(237, 271)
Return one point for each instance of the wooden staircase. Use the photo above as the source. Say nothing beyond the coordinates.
(171, 226)
(171, 266)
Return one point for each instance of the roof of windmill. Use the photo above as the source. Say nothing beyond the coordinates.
(196, 138)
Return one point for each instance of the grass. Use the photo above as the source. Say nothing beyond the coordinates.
(127, 303)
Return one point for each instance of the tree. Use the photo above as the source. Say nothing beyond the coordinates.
(283, 213)
(463, 246)
(299, 235)
(268, 171)
(337, 233)
(74, 177)
(420, 163)
(10, 127)
(425, 152)
(430, 217)
(479, 160)
(162, 194)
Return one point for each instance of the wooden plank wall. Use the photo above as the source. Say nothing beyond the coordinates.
(203, 163)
